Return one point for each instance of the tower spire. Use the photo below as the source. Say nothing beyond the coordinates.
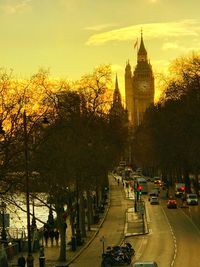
(142, 53)
(116, 95)
(116, 83)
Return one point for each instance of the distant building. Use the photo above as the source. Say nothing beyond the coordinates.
(117, 108)
(139, 86)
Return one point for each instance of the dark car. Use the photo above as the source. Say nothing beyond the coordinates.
(171, 204)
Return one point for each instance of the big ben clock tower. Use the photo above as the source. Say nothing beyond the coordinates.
(139, 86)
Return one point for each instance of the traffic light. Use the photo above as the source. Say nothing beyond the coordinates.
(182, 188)
(139, 189)
(106, 188)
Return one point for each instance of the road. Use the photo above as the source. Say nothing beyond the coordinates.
(112, 230)
(173, 239)
(158, 245)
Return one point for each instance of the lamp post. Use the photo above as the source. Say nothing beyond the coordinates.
(30, 259)
(3, 205)
(3, 232)
(78, 232)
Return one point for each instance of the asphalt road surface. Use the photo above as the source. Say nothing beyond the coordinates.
(173, 239)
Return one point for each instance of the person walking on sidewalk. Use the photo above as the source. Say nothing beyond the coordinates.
(46, 236)
(21, 261)
(56, 235)
(51, 235)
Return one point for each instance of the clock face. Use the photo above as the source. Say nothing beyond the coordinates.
(143, 86)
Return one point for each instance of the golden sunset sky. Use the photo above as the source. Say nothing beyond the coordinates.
(71, 37)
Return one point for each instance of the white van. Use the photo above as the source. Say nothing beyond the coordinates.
(143, 183)
(145, 264)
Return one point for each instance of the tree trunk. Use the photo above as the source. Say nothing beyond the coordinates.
(82, 215)
(62, 229)
(89, 211)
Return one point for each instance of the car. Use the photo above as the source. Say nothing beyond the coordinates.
(172, 204)
(145, 264)
(192, 199)
(157, 180)
(152, 179)
(154, 200)
(153, 193)
(157, 187)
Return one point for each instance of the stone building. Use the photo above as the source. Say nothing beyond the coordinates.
(139, 86)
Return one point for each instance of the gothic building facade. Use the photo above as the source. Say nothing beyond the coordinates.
(139, 86)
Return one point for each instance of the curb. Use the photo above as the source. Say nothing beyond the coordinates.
(92, 238)
(146, 228)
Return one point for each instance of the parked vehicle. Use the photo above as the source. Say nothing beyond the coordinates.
(192, 199)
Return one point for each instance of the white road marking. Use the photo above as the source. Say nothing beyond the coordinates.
(191, 221)
(174, 238)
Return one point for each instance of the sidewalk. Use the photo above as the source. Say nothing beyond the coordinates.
(134, 224)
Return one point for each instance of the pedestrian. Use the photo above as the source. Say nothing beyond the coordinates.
(46, 236)
(51, 235)
(118, 181)
(21, 261)
(56, 235)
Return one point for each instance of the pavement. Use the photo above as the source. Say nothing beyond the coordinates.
(135, 224)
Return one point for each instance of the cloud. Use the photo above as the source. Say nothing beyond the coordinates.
(188, 27)
(17, 6)
(100, 27)
(153, 1)
(168, 46)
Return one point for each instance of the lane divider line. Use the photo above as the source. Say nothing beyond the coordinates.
(174, 239)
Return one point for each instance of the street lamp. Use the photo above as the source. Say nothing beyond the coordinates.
(3, 205)
(3, 232)
(78, 232)
(30, 259)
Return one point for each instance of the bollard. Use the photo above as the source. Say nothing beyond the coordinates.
(42, 261)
